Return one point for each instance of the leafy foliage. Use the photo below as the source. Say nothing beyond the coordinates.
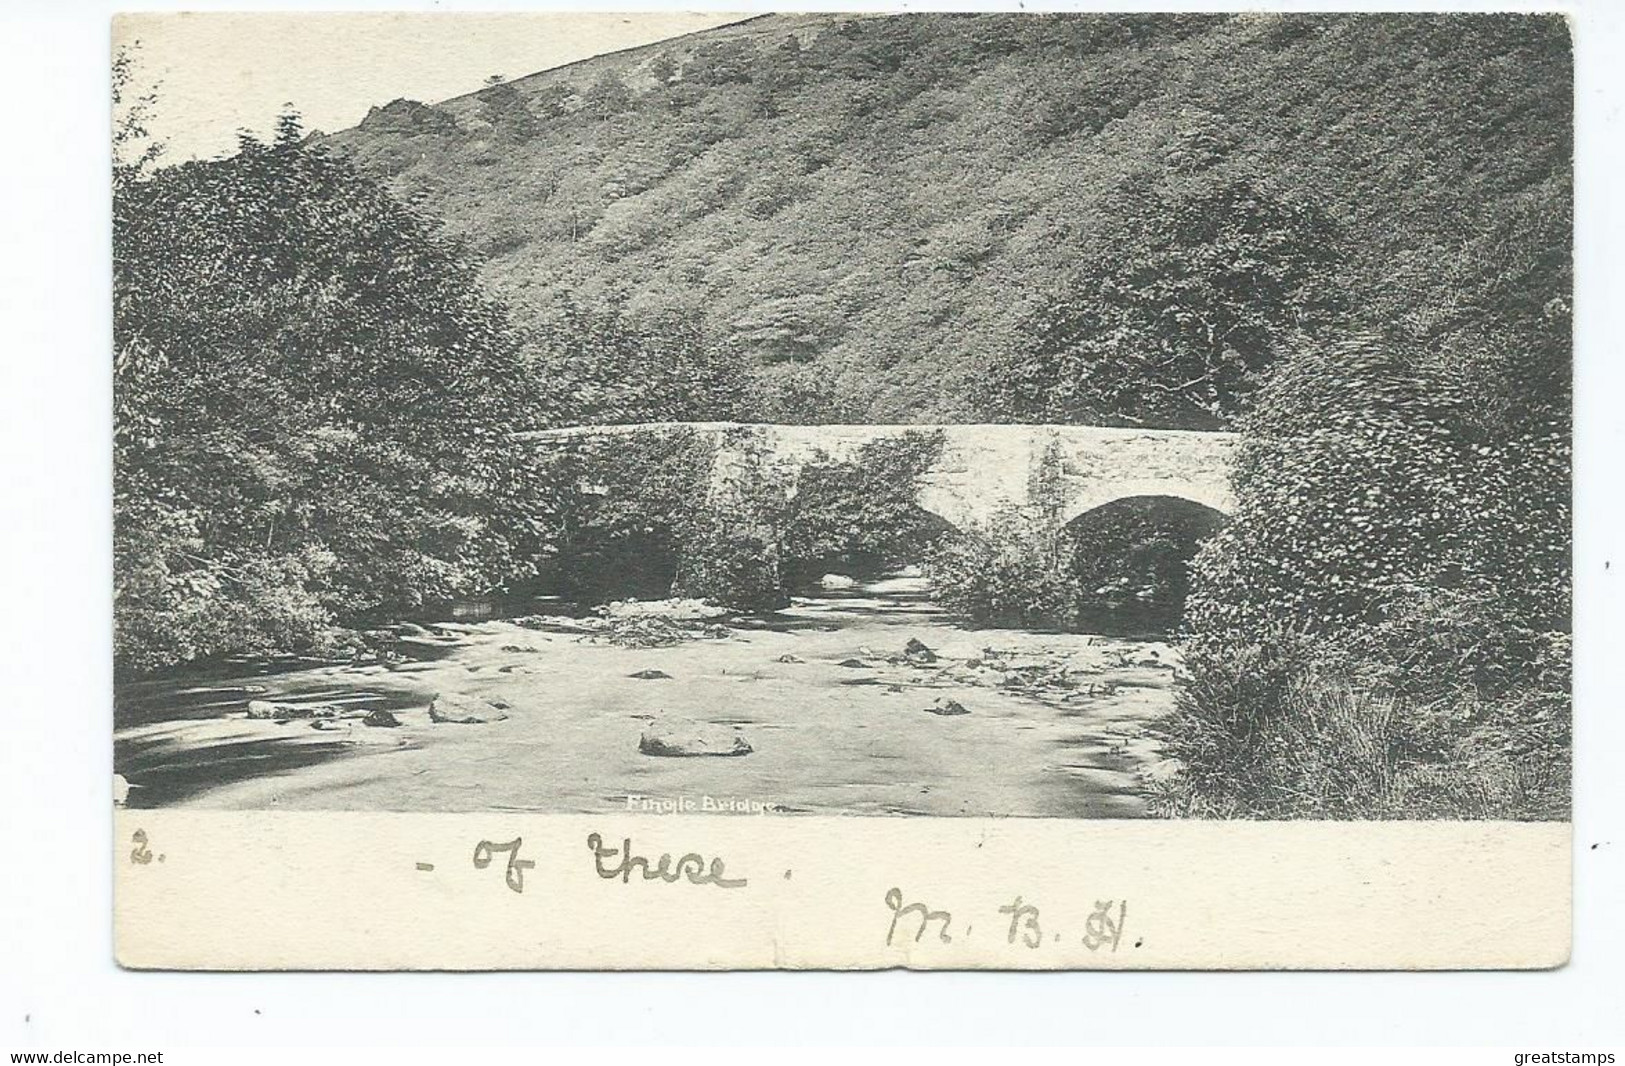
(1010, 572)
(861, 510)
(670, 511)
(1397, 579)
(1359, 474)
(612, 366)
(732, 561)
(732, 555)
(629, 506)
(1176, 323)
(313, 400)
(507, 111)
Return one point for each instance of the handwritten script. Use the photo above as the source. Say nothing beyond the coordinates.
(514, 875)
(692, 866)
(1102, 928)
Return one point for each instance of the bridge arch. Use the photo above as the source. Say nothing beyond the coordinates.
(1211, 494)
(1132, 557)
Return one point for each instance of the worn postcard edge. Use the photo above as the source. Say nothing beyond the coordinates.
(351, 891)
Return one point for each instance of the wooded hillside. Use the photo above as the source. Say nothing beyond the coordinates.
(914, 218)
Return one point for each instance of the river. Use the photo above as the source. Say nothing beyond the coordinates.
(839, 720)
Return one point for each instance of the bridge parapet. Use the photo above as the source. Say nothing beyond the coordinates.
(985, 468)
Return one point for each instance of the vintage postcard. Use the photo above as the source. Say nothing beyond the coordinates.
(704, 491)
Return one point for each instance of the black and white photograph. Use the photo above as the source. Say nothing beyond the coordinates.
(1032, 524)
(1070, 416)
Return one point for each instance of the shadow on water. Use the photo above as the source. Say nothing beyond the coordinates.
(165, 775)
(905, 596)
(168, 699)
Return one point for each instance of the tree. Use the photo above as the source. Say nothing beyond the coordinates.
(1364, 476)
(608, 96)
(660, 366)
(135, 150)
(313, 404)
(506, 110)
(1176, 323)
(1381, 631)
(860, 511)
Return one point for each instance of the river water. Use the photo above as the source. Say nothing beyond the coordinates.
(839, 720)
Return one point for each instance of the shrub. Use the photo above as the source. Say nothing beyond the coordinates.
(730, 553)
(1176, 321)
(1009, 572)
(1401, 560)
(861, 508)
(630, 505)
(728, 562)
(1361, 473)
(313, 399)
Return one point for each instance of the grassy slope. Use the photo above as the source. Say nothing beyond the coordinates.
(871, 215)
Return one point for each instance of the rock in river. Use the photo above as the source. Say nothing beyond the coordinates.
(946, 706)
(282, 712)
(915, 651)
(381, 717)
(686, 737)
(463, 710)
(262, 709)
(651, 675)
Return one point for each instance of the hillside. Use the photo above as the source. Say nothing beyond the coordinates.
(866, 210)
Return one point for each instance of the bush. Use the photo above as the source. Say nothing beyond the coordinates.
(1010, 572)
(630, 505)
(1396, 578)
(1361, 473)
(729, 561)
(1177, 320)
(861, 509)
(242, 604)
(645, 516)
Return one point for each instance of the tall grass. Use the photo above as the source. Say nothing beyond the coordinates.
(1445, 709)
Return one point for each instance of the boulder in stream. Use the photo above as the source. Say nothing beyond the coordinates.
(684, 737)
(463, 710)
(651, 675)
(283, 712)
(382, 718)
(946, 707)
(261, 709)
(916, 652)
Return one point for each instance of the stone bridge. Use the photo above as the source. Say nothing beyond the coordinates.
(986, 468)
